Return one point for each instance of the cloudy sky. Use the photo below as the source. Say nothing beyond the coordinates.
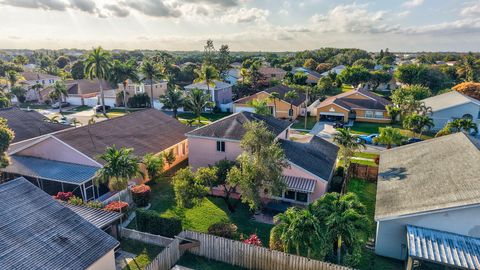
(245, 25)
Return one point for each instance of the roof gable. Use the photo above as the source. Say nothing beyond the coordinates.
(448, 100)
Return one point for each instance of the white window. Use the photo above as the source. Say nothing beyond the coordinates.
(220, 146)
(378, 114)
(369, 114)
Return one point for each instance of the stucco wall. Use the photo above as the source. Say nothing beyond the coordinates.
(320, 186)
(107, 262)
(282, 107)
(332, 108)
(391, 238)
(203, 152)
(440, 118)
(223, 96)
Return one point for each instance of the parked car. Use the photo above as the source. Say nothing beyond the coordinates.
(367, 139)
(63, 104)
(98, 108)
(413, 140)
(338, 124)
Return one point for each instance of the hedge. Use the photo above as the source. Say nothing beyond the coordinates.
(151, 222)
(141, 195)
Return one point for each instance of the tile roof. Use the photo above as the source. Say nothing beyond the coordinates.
(34, 76)
(146, 131)
(50, 169)
(317, 156)
(446, 248)
(231, 127)
(98, 217)
(299, 184)
(28, 124)
(37, 232)
(202, 85)
(448, 100)
(409, 174)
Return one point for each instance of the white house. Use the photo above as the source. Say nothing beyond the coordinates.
(433, 185)
(221, 93)
(336, 70)
(232, 76)
(31, 78)
(450, 106)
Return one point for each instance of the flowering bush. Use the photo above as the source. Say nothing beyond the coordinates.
(64, 196)
(141, 195)
(116, 206)
(253, 240)
(74, 200)
(94, 204)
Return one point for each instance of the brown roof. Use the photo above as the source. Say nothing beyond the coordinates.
(28, 124)
(146, 131)
(84, 86)
(33, 76)
(271, 70)
(373, 103)
(281, 90)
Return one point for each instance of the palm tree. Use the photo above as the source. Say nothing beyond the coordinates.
(284, 223)
(196, 101)
(120, 166)
(58, 93)
(207, 74)
(345, 218)
(468, 124)
(390, 136)
(97, 65)
(172, 100)
(151, 72)
(244, 73)
(291, 96)
(469, 68)
(274, 96)
(121, 73)
(348, 146)
(36, 87)
(260, 106)
(418, 123)
(12, 77)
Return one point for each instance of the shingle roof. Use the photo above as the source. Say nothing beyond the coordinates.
(317, 157)
(98, 217)
(37, 232)
(34, 76)
(231, 127)
(443, 247)
(448, 100)
(146, 131)
(202, 85)
(431, 175)
(84, 86)
(306, 70)
(299, 183)
(50, 169)
(374, 102)
(28, 124)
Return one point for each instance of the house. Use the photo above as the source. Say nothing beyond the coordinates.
(355, 105)
(271, 73)
(233, 76)
(30, 78)
(311, 164)
(158, 87)
(68, 160)
(27, 124)
(221, 92)
(282, 105)
(312, 76)
(81, 92)
(38, 232)
(337, 70)
(433, 185)
(450, 106)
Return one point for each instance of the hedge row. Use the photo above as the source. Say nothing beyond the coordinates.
(151, 222)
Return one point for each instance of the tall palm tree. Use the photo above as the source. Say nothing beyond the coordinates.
(390, 136)
(151, 71)
(97, 66)
(469, 68)
(120, 166)
(348, 146)
(207, 74)
(196, 101)
(244, 73)
(58, 93)
(12, 77)
(274, 96)
(284, 223)
(418, 123)
(291, 96)
(121, 73)
(172, 100)
(36, 87)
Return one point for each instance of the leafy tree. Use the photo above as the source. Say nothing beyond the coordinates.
(5, 67)
(244, 73)
(254, 75)
(470, 89)
(151, 71)
(407, 98)
(197, 101)
(418, 123)
(420, 74)
(169, 158)
(19, 92)
(4, 101)
(20, 60)
(121, 73)
(189, 187)
(120, 166)
(223, 61)
(58, 93)
(348, 146)
(379, 77)
(209, 53)
(12, 77)
(325, 86)
(78, 70)
(390, 136)
(153, 165)
(97, 65)
(300, 78)
(260, 106)
(394, 112)
(172, 100)
(323, 67)
(354, 75)
(310, 64)
(62, 61)
(469, 68)
(6, 137)
(220, 180)
(291, 96)
(366, 63)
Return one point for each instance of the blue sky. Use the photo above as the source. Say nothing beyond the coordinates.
(247, 25)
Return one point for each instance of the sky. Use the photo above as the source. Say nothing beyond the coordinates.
(245, 25)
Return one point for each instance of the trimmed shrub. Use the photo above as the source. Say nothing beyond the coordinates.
(94, 204)
(141, 100)
(151, 222)
(223, 229)
(117, 206)
(141, 195)
(63, 196)
(275, 241)
(75, 200)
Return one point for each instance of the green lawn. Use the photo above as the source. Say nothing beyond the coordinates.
(365, 155)
(346, 87)
(208, 212)
(200, 263)
(210, 117)
(300, 122)
(362, 128)
(32, 105)
(145, 253)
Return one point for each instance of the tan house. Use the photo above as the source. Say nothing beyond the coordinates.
(68, 160)
(271, 73)
(158, 88)
(79, 91)
(355, 105)
(280, 108)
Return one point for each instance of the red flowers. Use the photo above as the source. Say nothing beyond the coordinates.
(63, 196)
(253, 240)
(141, 195)
(117, 206)
(141, 188)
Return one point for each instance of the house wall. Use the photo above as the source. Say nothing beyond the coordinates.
(181, 151)
(223, 96)
(132, 89)
(333, 108)
(361, 117)
(391, 238)
(282, 107)
(320, 186)
(107, 262)
(441, 117)
(203, 151)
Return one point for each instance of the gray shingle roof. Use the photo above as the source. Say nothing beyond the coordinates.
(448, 100)
(50, 169)
(299, 183)
(318, 156)
(37, 232)
(98, 217)
(443, 247)
(231, 127)
(431, 175)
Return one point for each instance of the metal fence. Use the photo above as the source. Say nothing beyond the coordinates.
(125, 196)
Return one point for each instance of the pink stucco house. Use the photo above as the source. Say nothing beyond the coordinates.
(311, 164)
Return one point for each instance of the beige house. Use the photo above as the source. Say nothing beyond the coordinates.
(158, 89)
(271, 73)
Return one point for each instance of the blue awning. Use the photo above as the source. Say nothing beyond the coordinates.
(50, 170)
(441, 247)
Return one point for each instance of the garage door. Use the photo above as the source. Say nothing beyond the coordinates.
(244, 109)
(75, 100)
(331, 117)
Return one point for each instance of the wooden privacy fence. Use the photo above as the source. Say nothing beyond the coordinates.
(167, 258)
(363, 172)
(145, 237)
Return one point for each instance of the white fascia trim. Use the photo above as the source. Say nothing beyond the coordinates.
(428, 212)
(211, 138)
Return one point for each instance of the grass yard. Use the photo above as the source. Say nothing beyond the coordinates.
(300, 122)
(346, 87)
(145, 253)
(362, 128)
(32, 105)
(200, 263)
(366, 155)
(207, 117)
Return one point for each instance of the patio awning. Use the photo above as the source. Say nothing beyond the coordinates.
(58, 171)
(445, 248)
(299, 184)
(98, 217)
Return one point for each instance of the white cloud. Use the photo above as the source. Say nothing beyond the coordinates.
(472, 10)
(245, 15)
(468, 25)
(412, 3)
